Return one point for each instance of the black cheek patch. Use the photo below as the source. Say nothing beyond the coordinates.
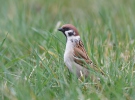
(70, 34)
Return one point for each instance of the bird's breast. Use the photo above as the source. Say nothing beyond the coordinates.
(68, 59)
(68, 55)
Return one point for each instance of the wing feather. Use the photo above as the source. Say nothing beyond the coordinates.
(81, 57)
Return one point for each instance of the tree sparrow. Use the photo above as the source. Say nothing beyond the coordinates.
(75, 56)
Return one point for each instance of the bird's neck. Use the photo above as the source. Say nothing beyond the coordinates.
(71, 42)
(73, 38)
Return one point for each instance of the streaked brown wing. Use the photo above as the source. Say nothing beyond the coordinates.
(81, 57)
(80, 54)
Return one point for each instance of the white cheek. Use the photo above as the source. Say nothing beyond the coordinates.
(69, 31)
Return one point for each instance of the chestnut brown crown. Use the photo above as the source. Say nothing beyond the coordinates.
(68, 27)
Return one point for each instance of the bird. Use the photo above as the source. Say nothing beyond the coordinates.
(75, 55)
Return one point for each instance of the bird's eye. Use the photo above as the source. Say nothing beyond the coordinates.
(66, 29)
(70, 33)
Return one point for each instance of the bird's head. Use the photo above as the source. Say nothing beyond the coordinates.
(69, 30)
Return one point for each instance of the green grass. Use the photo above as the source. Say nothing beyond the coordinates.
(31, 49)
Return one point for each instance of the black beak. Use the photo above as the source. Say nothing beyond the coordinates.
(61, 29)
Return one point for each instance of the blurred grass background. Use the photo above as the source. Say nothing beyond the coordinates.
(31, 49)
